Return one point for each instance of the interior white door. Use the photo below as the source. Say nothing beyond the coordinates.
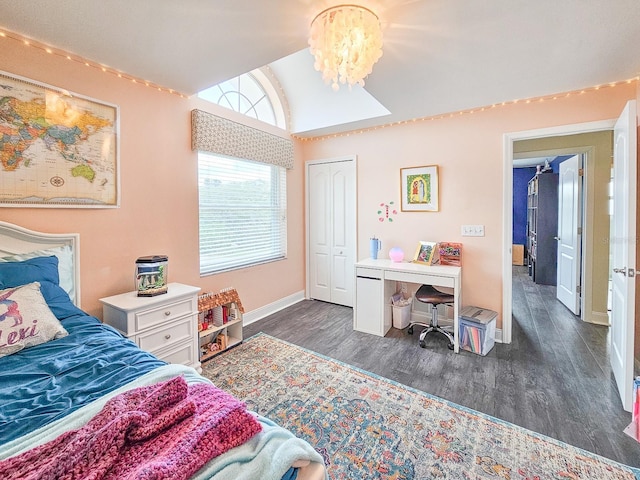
(319, 199)
(332, 231)
(623, 252)
(343, 233)
(569, 238)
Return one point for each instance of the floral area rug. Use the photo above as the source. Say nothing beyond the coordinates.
(367, 427)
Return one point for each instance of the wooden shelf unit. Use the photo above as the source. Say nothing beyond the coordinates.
(542, 228)
(226, 334)
(233, 331)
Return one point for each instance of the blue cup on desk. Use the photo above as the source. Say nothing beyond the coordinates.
(375, 246)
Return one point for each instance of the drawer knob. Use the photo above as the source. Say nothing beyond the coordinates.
(167, 336)
(167, 313)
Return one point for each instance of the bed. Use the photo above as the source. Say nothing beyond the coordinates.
(57, 394)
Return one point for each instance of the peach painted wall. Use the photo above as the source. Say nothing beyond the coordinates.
(468, 150)
(159, 192)
(159, 212)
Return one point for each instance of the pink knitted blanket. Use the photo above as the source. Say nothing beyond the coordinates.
(168, 430)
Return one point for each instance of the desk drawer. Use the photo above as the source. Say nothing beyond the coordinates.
(165, 337)
(421, 278)
(368, 272)
(163, 314)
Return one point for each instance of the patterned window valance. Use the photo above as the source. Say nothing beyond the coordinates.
(210, 133)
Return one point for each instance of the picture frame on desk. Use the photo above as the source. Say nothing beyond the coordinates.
(425, 252)
(449, 253)
(419, 189)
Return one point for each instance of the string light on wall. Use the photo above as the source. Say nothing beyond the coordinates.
(441, 116)
(346, 41)
(83, 61)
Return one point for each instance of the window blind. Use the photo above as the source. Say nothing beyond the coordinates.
(243, 217)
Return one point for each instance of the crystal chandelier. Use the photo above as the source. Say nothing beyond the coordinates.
(346, 41)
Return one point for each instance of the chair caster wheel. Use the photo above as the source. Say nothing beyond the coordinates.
(410, 331)
(422, 344)
(450, 346)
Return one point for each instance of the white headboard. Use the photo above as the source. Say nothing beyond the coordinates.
(16, 240)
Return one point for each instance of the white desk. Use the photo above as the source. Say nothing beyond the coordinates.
(376, 282)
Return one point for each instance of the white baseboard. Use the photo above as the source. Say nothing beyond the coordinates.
(265, 311)
(599, 318)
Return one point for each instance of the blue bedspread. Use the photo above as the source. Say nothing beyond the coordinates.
(44, 383)
(59, 385)
(267, 456)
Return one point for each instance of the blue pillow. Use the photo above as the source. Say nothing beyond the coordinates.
(39, 269)
(58, 301)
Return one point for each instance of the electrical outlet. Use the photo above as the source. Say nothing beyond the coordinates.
(472, 230)
(403, 287)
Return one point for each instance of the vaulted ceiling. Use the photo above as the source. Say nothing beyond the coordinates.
(440, 56)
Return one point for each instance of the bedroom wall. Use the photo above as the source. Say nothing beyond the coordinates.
(468, 150)
(159, 196)
(158, 212)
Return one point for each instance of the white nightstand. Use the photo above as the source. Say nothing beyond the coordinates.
(165, 325)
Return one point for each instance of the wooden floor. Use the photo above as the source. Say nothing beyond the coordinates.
(554, 378)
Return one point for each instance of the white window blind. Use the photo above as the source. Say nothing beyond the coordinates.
(242, 213)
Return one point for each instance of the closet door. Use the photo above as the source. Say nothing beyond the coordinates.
(319, 198)
(332, 230)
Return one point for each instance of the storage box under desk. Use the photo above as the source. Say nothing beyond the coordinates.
(476, 337)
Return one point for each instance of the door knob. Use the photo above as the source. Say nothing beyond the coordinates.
(622, 270)
(556, 238)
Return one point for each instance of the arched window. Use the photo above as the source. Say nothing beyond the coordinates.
(251, 94)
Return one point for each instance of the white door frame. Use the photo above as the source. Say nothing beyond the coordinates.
(346, 158)
(507, 203)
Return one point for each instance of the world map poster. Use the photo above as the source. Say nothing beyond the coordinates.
(56, 148)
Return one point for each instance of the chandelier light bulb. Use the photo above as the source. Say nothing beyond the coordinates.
(346, 41)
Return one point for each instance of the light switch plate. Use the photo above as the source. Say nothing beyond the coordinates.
(472, 230)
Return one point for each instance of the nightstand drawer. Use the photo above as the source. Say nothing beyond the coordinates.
(163, 314)
(167, 336)
(183, 353)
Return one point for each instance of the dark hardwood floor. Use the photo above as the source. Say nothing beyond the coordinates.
(554, 378)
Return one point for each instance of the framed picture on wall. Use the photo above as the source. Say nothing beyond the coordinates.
(419, 189)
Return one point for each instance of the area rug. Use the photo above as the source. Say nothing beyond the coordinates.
(368, 427)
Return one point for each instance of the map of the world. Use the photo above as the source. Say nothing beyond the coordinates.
(56, 148)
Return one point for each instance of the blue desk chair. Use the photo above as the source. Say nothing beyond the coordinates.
(428, 294)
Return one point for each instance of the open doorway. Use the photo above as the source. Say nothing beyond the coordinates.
(549, 216)
(597, 138)
(618, 240)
